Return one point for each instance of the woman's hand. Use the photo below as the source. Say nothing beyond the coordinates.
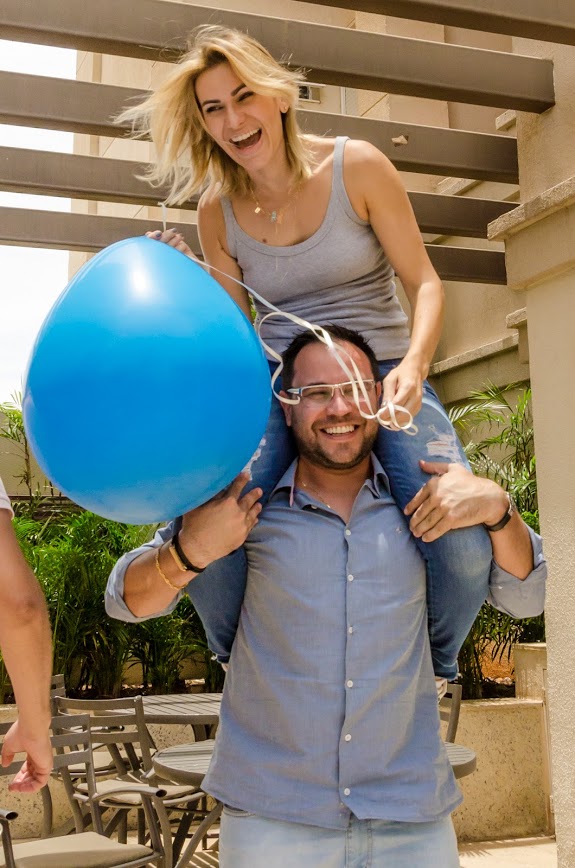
(174, 239)
(404, 386)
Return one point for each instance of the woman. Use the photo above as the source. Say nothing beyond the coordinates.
(317, 226)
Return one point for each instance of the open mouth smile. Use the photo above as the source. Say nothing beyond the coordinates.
(340, 430)
(246, 140)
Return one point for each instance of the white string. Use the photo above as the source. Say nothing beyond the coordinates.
(164, 208)
(355, 376)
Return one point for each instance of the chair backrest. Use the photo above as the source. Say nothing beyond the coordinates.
(57, 682)
(57, 688)
(71, 740)
(72, 743)
(449, 708)
(119, 724)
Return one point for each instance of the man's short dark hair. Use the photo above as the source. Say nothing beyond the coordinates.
(339, 334)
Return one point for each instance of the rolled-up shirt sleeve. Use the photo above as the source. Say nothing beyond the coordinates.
(114, 596)
(520, 598)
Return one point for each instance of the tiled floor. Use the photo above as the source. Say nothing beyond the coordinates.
(525, 853)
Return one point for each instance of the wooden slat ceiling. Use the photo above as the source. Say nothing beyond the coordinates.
(156, 30)
(108, 180)
(84, 232)
(545, 20)
(83, 107)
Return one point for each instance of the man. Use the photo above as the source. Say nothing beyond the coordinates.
(329, 752)
(26, 646)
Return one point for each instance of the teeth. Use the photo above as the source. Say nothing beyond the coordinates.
(340, 429)
(236, 139)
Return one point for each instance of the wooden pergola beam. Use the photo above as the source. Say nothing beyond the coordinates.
(106, 180)
(83, 107)
(156, 30)
(532, 19)
(82, 232)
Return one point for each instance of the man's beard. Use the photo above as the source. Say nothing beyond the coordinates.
(314, 453)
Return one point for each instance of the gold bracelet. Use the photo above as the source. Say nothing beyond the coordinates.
(177, 560)
(163, 575)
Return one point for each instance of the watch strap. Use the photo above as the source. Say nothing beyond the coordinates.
(493, 528)
(179, 555)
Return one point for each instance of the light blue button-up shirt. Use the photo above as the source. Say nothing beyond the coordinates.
(330, 705)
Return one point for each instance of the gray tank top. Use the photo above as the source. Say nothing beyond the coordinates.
(339, 275)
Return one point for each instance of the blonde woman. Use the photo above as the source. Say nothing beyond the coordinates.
(319, 227)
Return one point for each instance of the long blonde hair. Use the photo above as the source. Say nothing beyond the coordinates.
(187, 158)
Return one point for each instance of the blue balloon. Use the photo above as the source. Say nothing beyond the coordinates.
(147, 390)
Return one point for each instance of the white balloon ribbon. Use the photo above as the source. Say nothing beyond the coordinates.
(388, 408)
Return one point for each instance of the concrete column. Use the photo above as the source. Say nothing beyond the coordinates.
(540, 249)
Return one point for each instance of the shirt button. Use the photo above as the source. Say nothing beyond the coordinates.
(347, 737)
(347, 791)
(347, 532)
(350, 630)
(350, 578)
(349, 683)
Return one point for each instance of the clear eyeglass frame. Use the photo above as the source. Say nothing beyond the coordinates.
(321, 394)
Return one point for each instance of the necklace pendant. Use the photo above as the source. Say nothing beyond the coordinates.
(274, 216)
(257, 210)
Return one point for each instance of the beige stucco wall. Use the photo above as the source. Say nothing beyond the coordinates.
(505, 796)
(540, 245)
(11, 466)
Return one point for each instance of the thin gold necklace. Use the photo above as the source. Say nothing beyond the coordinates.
(276, 215)
(316, 492)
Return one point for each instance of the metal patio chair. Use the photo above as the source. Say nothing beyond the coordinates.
(119, 725)
(72, 743)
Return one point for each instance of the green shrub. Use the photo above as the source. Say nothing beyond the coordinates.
(507, 455)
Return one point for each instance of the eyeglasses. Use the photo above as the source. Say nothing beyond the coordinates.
(321, 395)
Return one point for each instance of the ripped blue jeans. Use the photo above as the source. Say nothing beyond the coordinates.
(458, 564)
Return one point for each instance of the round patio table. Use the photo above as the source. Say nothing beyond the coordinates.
(184, 763)
(187, 764)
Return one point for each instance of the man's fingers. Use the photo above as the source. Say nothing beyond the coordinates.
(250, 500)
(416, 501)
(238, 485)
(421, 519)
(442, 526)
(434, 468)
(424, 520)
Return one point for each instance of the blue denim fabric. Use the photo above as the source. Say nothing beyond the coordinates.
(249, 841)
(458, 564)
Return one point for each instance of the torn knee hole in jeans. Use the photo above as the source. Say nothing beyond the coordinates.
(254, 458)
(445, 447)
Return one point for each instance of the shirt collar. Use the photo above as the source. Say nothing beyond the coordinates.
(376, 482)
